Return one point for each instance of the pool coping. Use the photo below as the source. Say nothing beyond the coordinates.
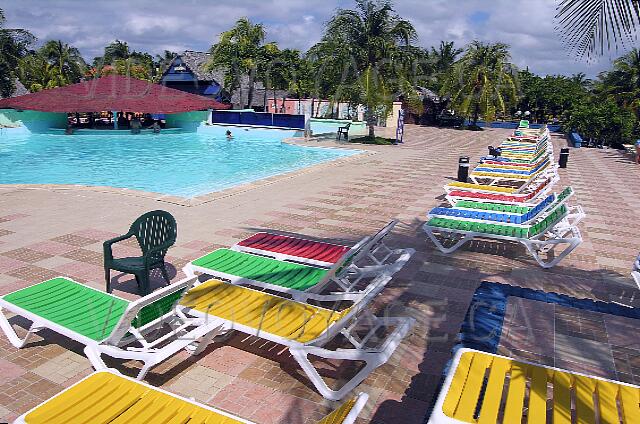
(208, 197)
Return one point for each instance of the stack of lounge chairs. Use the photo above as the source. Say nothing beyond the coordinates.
(298, 293)
(511, 198)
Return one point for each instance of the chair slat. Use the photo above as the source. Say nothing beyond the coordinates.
(493, 392)
(515, 396)
(607, 394)
(471, 393)
(585, 408)
(629, 397)
(457, 384)
(561, 398)
(538, 396)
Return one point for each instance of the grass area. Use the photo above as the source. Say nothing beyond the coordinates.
(375, 140)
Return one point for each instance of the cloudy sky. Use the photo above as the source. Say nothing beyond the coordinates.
(195, 24)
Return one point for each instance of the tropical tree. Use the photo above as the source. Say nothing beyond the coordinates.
(622, 83)
(551, 95)
(238, 52)
(445, 56)
(482, 82)
(13, 46)
(368, 44)
(603, 121)
(119, 59)
(71, 66)
(589, 27)
(36, 73)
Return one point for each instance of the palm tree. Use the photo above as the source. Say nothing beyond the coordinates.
(589, 26)
(445, 56)
(238, 52)
(13, 46)
(70, 63)
(482, 81)
(370, 39)
(622, 83)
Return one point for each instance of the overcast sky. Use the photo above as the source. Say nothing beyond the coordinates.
(155, 25)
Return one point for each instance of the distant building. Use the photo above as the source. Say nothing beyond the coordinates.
(20, 90)
(187, 72)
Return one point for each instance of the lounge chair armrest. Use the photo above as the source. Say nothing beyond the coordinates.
(107, 244)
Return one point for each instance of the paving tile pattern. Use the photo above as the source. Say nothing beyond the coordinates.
(340, 203)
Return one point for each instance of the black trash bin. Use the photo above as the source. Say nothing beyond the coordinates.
(463, 169)
(564, 157)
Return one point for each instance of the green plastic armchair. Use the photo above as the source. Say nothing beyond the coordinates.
(155, 232)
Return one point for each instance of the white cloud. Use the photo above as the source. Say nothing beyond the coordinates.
(155, 25)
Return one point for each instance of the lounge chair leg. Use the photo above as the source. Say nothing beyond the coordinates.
(107, 277)
(372, 358)
(535, 252)
(300, 356)
(94, 357)
(199, 346)
(11, 334)
(163, 268)
(188, 271)
(439, 244)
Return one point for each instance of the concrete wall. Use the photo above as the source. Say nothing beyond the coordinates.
(188, 121)
(33, 120)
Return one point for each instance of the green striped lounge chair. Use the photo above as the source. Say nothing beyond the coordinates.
(484, 388)
(498, 212)
(540, 237)
(106, 397)
(106, 324)
(295, 279)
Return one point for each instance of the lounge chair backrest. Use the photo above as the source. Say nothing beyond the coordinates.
(149, 308)
(362, 248)
(348, 257)
(154, 229)
(364, 299)
(555, 215)
(376, 240)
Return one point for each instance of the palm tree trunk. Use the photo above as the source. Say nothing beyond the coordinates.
(476, 113)
(370, 118)
(251, 87)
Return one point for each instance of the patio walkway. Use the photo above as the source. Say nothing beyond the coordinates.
(48, 232)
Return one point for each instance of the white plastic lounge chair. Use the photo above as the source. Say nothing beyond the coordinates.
(487, 388)
(509, 214)
(295, 279)
(495, 175)
(305, 329)
(106, 397)
(104, 323)
(322, 254)
(525, 195)
(543, 236)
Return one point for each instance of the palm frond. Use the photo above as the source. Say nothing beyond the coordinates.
(591, 27)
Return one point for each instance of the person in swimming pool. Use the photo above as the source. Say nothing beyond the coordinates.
(229, 136)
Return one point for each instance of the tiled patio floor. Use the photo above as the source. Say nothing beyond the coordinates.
(49, 232)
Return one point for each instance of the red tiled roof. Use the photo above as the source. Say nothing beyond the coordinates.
(112, 92)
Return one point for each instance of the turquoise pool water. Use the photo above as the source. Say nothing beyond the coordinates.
(181, 164)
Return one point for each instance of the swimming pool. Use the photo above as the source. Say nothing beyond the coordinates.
(180, 164)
